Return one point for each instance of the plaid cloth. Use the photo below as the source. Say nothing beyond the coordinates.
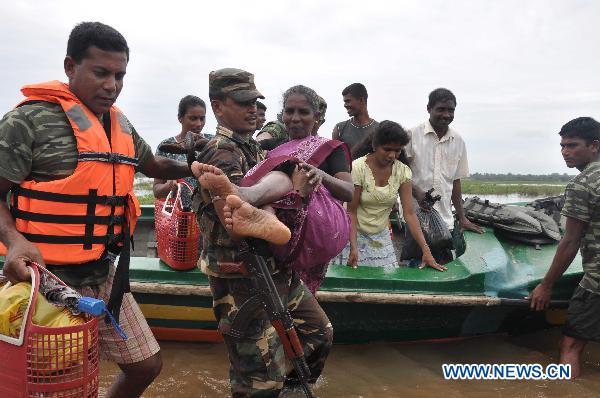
(140, 344)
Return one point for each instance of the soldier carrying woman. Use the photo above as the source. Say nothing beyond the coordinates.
(228, 212)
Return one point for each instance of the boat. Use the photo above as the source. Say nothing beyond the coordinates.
(481, 292)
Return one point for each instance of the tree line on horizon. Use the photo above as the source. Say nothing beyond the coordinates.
(554, 177)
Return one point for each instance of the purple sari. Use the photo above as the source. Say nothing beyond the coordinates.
(321, 228)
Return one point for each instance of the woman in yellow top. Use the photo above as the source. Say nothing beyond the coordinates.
(378, 178)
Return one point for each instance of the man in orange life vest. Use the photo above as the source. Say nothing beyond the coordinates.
(68, 158)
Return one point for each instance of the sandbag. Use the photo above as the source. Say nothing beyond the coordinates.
(521, 223)
(552, 207)
(508, 218)
(549, 227)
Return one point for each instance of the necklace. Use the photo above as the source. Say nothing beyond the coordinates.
(362, 127)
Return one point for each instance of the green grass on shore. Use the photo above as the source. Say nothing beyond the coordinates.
(146, 185)
(473, 187)
(146, 199)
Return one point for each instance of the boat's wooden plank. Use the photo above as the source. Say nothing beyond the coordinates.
(178, 312)
(330, 296)
(406, 299)
(170, 289)
(183, 334)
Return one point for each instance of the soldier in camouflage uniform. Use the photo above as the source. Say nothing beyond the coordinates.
(272, 134)
(258, 367)
(580, 142)
(38, 143)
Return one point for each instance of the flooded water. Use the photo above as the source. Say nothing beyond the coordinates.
(386, 369)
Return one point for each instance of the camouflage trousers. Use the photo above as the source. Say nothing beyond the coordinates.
(258, 366)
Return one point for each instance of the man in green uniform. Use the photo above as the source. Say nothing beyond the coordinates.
(580, 143)
(38, 143)
(272, 134)
(258, 367)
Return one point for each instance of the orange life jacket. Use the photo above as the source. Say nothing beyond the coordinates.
(72, 220)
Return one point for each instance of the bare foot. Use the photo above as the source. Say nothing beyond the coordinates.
(198, 169)
(268, 209)
(243, 220)
(213, 179)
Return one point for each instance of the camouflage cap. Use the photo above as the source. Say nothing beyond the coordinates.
(235, 83)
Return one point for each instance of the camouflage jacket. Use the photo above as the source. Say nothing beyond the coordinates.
(582, 202)
(276, 129)
(38, 143)
(235, 156)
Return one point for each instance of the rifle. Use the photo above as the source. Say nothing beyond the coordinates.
(265, 296)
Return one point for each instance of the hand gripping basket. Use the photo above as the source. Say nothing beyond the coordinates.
(177, 232)
(49, 361)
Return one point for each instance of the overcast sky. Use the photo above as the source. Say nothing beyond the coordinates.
(519, 69)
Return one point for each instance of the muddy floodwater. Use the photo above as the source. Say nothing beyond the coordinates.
(387, 369)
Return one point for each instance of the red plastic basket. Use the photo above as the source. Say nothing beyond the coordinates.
(177, 232)
(49, 362)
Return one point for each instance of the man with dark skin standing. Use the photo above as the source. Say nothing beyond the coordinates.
(49, 149)
(437, 156)
(354, 130)
(580, 147)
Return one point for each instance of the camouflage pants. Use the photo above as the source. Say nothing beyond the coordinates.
(258, 367)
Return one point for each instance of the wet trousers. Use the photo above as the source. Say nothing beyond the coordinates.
(258, 366)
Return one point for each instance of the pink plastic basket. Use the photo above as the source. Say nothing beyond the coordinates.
(177, 232)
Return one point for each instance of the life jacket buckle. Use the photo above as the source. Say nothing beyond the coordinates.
(113, 157)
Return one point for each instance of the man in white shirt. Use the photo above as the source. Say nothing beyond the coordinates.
(437, 156)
